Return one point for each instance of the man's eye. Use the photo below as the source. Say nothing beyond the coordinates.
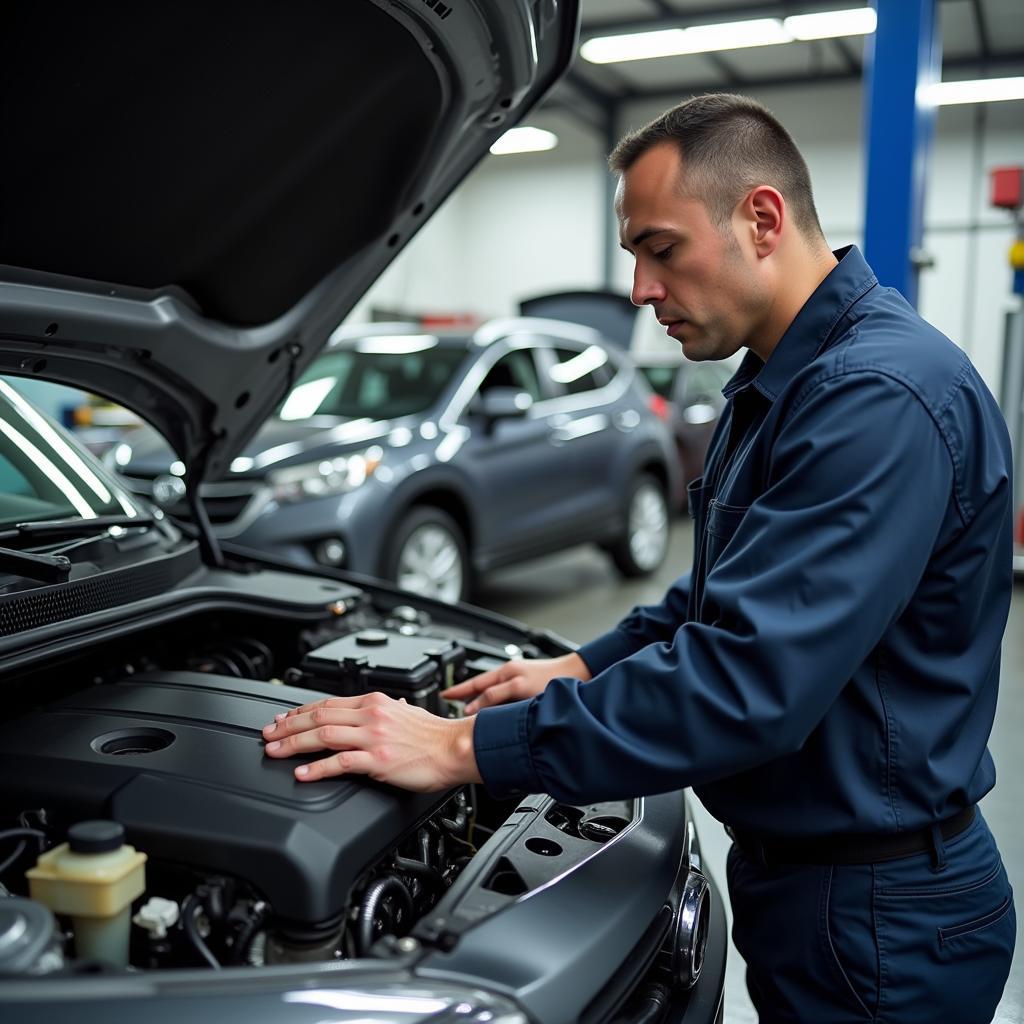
(663, 254)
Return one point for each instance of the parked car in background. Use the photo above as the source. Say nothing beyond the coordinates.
(688, 397)
(429, 458)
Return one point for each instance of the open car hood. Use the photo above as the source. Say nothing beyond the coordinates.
(193, 195)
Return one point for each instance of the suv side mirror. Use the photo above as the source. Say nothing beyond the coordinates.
(501, 404)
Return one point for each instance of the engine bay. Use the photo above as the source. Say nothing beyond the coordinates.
(156, 732)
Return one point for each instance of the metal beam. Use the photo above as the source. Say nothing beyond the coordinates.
(728, 71)
(904, 54)
(980, 22)
(604, 101)
(562, 103)
(848, 58)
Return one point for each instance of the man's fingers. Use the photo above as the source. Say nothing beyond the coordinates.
(500, 694)
(346, 762)
(363, 700)
(317, 715)
(326, 737)
(471, 687)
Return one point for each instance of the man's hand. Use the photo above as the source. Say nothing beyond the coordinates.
(375, 735)
(515, 680)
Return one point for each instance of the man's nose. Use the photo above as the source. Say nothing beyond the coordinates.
(647, 289)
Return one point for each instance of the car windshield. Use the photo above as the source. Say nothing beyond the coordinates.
(45, 474)
(373, 378)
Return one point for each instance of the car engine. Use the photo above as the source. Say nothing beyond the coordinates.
(158, 733)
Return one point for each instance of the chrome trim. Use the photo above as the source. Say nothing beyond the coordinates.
(689, 940)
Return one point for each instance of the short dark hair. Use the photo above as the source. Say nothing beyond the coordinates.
(728, 145)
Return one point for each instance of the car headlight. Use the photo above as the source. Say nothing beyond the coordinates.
(326, 477)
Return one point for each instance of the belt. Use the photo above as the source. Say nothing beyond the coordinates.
(848, 849)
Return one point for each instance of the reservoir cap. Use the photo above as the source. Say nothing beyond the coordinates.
(95, 836)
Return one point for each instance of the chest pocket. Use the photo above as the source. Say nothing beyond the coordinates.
(722, 522)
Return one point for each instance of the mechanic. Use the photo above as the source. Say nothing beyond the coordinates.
(826, 678)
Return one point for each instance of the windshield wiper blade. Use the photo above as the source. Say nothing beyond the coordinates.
(75, 527)
(48, 568)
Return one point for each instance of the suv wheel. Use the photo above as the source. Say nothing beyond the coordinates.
(427, 555)
(644, 542)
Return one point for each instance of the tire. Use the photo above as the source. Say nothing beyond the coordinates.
(427, 555)
(643, 545)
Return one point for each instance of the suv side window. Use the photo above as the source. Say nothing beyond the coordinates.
(704, 383)
(576, 371)
(515, 369)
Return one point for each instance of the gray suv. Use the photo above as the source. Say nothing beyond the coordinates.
(427, 459)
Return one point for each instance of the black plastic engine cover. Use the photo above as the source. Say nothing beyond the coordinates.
(177, 758)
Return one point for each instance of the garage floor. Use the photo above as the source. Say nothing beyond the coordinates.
(579, 595)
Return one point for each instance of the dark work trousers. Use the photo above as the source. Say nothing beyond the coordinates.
(926, 938)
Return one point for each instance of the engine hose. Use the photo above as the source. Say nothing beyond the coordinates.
(425, 852)
(424, 872)
(245, 935)
(459, 822)
(372, 904)
(191, 908)
(23, 834)
(652, 1008)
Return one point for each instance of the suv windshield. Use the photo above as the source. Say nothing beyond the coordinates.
(44, 474)
(382, 381)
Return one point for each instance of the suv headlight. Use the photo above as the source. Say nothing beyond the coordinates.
(329, 476)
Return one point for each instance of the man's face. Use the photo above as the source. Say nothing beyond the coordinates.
(704, 289)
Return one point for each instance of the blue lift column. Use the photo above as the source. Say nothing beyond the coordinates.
(903, 54)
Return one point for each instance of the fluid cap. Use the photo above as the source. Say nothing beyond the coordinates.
(372, 638)
(95, 836)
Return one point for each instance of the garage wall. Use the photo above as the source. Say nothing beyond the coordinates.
(530, 223)
(520, 225)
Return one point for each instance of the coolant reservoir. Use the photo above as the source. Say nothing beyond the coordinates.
(93, 878)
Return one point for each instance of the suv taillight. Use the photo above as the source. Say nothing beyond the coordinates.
(659, 406)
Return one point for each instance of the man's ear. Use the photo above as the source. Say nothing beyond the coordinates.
(764, 212)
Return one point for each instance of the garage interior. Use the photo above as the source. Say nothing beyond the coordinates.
(818, 90)
(539, 222)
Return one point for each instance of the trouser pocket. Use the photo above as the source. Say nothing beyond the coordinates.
(946, 938)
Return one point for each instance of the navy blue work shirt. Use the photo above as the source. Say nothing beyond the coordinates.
(832, 666)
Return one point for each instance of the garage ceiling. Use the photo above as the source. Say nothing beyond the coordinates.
(980, 38)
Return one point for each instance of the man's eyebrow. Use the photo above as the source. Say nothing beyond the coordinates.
(643, 236)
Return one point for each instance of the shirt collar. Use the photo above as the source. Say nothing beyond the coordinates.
(810, 330)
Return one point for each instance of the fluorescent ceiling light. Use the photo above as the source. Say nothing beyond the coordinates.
(729, 35)
(674, 42)
(524, 140)
(984, 90)
(398, 344)
(860, 21)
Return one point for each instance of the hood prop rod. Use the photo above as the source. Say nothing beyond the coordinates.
(208, 542)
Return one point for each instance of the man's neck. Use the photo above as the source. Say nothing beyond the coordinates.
(798, 279)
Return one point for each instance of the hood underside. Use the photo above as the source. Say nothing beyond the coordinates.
(194, 195)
